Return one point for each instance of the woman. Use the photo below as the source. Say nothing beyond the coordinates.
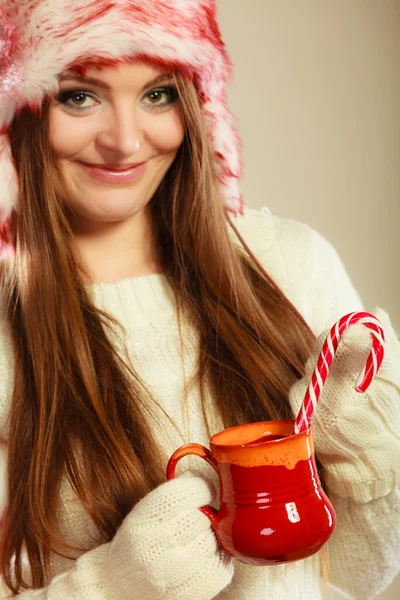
(119, 169)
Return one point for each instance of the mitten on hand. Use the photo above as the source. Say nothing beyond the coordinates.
(357, 435)
(172, 542)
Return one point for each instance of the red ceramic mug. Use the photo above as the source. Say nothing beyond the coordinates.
(272, 506)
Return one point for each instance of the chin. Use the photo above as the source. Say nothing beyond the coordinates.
(108, 217)
(110, 208)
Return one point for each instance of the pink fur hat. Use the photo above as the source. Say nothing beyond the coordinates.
(39, 39)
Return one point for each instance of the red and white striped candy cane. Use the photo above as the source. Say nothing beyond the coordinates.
(326, 357)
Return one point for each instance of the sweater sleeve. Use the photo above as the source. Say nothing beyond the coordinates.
(165, 549)
(357, 436)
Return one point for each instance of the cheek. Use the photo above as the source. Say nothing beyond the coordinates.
(69, 136)
(167, 132)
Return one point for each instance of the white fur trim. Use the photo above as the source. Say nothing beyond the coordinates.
(60, 32)
(8, 179)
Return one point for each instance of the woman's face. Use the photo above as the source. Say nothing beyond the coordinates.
(103, 125)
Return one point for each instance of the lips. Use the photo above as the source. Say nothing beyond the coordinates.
(123, 173)
(113, 167)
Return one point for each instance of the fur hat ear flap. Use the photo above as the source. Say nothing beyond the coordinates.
(8, 198)
(227, 146)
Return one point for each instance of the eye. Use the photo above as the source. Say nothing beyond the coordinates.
(77, 100)
(162, 96)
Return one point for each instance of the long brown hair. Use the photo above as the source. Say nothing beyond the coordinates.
(72, 388)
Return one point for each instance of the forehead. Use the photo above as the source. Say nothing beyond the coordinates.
(136, 74)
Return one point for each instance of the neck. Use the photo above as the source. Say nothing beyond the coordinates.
(112, 251)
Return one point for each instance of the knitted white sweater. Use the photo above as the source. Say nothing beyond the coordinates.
(356, 436)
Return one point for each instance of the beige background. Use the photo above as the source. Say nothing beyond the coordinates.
(316, 91)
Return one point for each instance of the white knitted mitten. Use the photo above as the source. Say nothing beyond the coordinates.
(172, 543)
(357, 435)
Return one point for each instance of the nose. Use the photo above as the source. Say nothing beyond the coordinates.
(120, 132)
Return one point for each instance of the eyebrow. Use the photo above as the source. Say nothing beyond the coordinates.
(72, 76)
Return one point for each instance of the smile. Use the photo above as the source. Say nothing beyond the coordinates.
(116, 174)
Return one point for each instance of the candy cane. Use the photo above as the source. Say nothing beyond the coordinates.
(326, 357)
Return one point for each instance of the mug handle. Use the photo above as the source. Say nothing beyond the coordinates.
(203, 452)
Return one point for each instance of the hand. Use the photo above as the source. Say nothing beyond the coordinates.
(173, 542)
(356, 435)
